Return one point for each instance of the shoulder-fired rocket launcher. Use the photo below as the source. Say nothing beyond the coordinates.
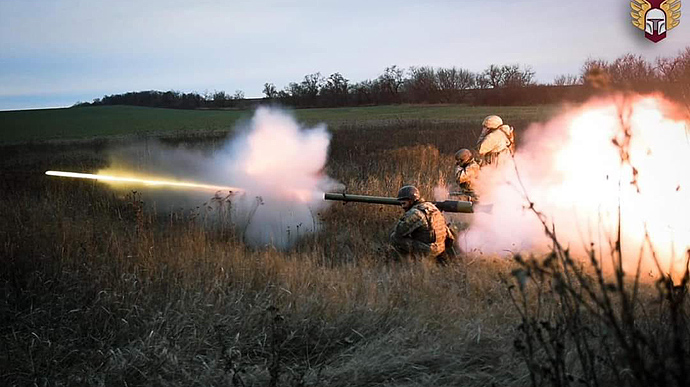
(447, 205)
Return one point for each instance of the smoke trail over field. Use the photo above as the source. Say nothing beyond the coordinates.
(277, 163)
(572, 171)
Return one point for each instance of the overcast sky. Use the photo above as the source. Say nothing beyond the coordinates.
(58, 52)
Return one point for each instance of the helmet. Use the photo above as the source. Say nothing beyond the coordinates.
(492, 122)
(463, 155)
(655, 22)
(409, 192)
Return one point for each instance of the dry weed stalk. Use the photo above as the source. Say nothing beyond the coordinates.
(580, 327)
(156, 298)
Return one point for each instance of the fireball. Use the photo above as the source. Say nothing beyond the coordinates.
(618, 165)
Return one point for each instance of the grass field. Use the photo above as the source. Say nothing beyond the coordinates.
(99, 289)
(91, 122)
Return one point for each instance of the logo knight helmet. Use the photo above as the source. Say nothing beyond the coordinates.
(655, 25)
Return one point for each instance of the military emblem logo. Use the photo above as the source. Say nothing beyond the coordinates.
(655, 17)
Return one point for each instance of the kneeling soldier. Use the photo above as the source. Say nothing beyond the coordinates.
(422, 230)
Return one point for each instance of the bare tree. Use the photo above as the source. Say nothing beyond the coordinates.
(566, 80)
(674, 69)
(335, 90)
(364, 92)
(310, 87)
(291, 94)
(453, 81)
(304, 93)
(220, 98)
(507, 76)
(515, 76)
(629, 69)
(270, 91)
(482, 81)
(594, 73)
(422, 85)
(492, 77)
(391, 81)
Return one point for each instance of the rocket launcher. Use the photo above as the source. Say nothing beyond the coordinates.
(447, 205)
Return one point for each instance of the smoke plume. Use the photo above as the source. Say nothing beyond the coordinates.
(577, 169)
(278, 165)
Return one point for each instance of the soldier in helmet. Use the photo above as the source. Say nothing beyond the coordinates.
(422, 230)
(466, 172)
(496, 142)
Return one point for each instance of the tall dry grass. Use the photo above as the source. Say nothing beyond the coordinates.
(101, 289)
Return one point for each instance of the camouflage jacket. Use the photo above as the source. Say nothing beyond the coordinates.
(424, 223)
(465, 176)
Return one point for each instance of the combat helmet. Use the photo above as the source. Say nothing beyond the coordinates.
(409, 192)
(463, 156)
(492, 122)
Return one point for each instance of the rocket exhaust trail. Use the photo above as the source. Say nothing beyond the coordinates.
(149, 182)
(271, 160)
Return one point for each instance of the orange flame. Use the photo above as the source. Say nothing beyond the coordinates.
(651, 186)
(631, 153)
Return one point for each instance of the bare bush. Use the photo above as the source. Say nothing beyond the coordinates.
(566, 80)
(584, 326)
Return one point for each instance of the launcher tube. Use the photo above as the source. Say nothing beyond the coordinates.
(361, 198)
(447, 206)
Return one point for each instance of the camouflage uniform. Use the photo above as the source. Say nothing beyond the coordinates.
(465, 176)
(421, 232)
(496, 144)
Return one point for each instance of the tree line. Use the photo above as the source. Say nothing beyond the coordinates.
(509, 84)
(171, 99)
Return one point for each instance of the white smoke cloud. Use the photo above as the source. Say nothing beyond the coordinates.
(570, 167)
(278, 165)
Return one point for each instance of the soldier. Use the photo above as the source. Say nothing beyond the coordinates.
(496, 142)
(422, 230)
(466, 172)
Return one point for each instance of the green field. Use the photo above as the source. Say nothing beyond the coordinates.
(91, 122)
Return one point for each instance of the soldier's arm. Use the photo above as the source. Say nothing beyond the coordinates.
(481, 138)
(464, 175)
(410, 222)
(461, 176)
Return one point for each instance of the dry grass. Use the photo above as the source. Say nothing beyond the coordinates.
(100, 290)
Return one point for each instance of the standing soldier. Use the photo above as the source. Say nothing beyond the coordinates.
(496, 142)
(466, 173)
(422, 230)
